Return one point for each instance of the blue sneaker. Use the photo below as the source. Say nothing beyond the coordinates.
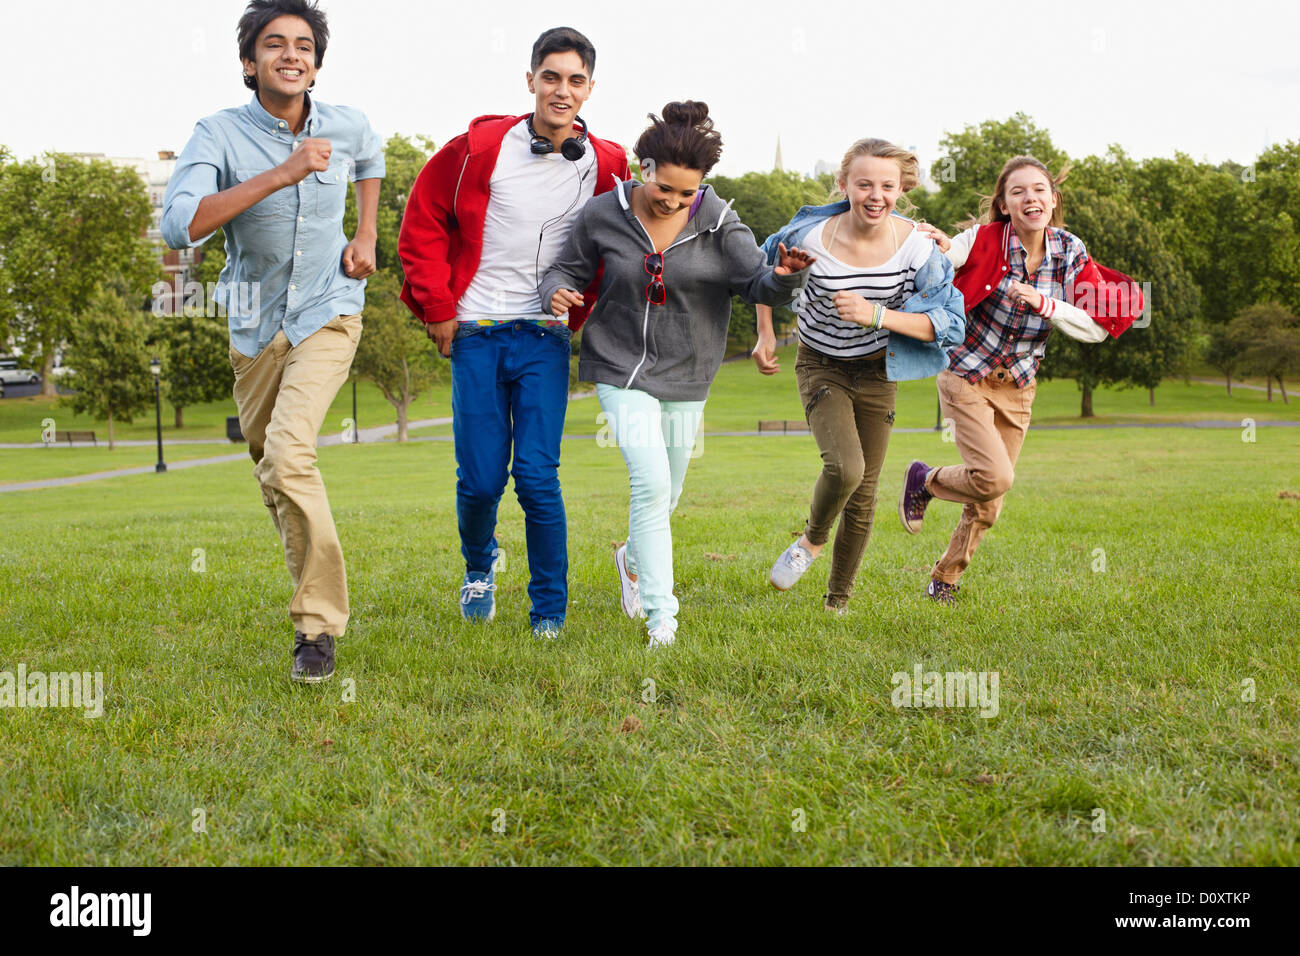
(477, 602)
(547, 630)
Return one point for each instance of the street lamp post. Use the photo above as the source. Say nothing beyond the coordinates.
(356, 429)
(156, 367)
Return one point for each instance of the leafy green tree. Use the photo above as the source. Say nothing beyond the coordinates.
(1118, 236)
(110, 361)
(765, 202)
(1223, 353)
(196, 363)
(969, 162)
(403, 160)
(394, 351)
(1268, 335)
(67, 227)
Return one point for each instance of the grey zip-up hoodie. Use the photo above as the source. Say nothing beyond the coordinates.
(672, 351)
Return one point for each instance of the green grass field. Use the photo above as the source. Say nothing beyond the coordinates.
(1158, 696)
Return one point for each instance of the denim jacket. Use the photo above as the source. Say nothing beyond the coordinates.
(935, 295)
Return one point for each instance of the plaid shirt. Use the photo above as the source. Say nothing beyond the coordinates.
(1001, 331)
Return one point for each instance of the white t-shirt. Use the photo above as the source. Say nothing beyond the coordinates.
(532, 206)
(821, 327)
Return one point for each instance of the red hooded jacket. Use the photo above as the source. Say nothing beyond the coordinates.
(441, 240)
(1112, 299)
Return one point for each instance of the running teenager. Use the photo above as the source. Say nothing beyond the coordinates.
(486, 217)
(674, 254)
(274, 174)
(879, 307)
(1022, 275)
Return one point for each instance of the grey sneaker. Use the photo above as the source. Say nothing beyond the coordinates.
(313, 658)
(790, 567)
(630, 590)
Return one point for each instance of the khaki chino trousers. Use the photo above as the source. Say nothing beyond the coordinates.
(283, 395)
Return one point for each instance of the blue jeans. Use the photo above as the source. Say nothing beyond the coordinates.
(656, 439)
(509, 392)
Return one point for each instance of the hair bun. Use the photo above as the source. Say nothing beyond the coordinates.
(690, 113)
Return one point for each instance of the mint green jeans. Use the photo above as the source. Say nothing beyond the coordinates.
(656, 439)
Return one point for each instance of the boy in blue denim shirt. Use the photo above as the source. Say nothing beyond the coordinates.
(274, 175)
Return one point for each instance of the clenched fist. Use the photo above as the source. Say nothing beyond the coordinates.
(309, 156)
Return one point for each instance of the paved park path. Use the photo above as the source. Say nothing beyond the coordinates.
(383, 431)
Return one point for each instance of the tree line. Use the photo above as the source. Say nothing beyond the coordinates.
(1215, 245)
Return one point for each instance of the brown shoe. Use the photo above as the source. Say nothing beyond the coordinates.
(313, 658)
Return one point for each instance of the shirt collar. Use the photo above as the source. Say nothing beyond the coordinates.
(1051, 245)
(273, 124)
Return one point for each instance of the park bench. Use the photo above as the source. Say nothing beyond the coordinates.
(70, 437)
(782, 426)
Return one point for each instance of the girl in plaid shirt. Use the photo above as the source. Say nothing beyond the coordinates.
(1021, 274)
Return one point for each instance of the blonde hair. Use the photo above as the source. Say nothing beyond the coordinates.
(909, 167)
(989, 211)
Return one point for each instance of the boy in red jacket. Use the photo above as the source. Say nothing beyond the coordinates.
(488, 214)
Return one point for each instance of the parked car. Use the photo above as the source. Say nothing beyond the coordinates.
(11, 373)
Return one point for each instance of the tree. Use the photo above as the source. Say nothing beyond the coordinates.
(111, 378)
(1223, 353)
(403, 160)
(394, 351)
(765, 202)
(1268, 335)
(196, 363)
(971, 160)
(66, 225)
(1116, 234)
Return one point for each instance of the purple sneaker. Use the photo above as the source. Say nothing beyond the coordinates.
(914, 497)
(941, 592)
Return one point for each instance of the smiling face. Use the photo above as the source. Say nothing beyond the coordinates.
(873, 185)
(670, 188)
(1028, 199)
(285, 58)
(561, 85)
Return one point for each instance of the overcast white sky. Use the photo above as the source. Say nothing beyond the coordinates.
(1217, 81)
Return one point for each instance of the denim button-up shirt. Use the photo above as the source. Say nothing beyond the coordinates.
(284, 254)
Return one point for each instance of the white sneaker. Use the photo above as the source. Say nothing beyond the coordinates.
(790, 567)
(661, 635)
(631, 591)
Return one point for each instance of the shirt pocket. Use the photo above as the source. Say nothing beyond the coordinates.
(278, 205)
(331, 191)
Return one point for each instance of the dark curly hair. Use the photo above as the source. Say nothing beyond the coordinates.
(683, 137)
(261, 12)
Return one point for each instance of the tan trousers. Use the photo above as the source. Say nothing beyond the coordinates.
(989, 424)
(283, 395)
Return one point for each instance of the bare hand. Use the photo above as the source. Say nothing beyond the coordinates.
(765, 355)
(442, 333)
(934, 232)
(854, 308)
(792, 260)
(359, 257)
(1027, 295)
(309, 156)
(564, 300)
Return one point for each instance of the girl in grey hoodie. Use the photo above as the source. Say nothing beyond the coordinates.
(670, 255)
